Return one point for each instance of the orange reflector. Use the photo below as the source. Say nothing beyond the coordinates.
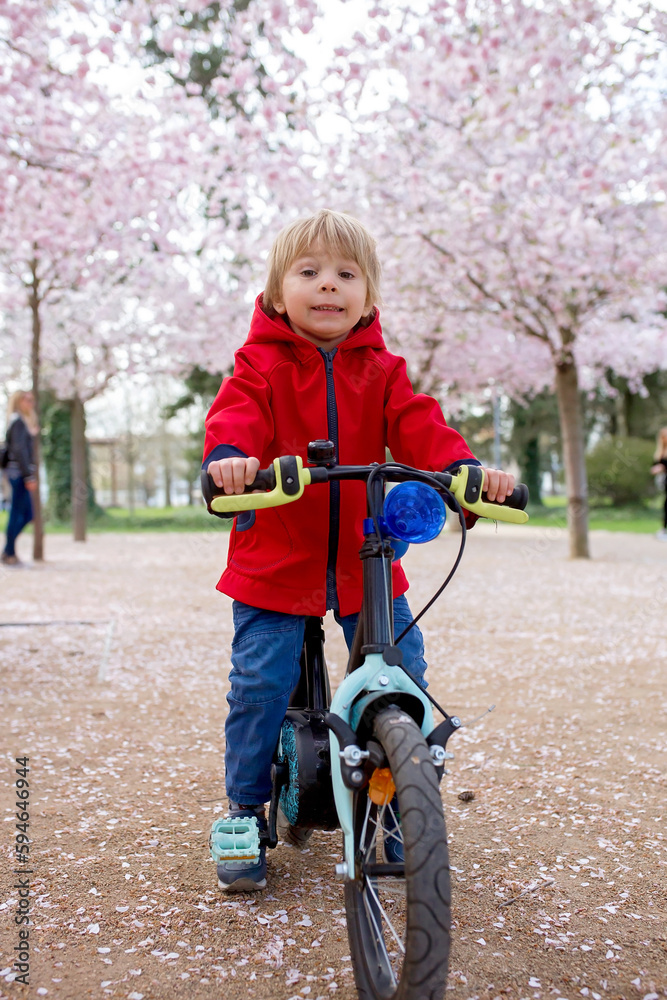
(381, 787)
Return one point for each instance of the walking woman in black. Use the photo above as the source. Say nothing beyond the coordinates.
(661, 467)
(21, 426)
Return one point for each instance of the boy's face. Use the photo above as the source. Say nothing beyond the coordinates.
(323, 297)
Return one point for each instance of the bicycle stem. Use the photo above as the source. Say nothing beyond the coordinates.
(376, 554)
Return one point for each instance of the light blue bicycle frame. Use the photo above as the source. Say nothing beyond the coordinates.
(358, 690)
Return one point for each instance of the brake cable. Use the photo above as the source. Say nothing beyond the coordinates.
(464, 532)
(452, 503)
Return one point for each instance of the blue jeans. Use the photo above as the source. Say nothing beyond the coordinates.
(20, 513)
(265, 670)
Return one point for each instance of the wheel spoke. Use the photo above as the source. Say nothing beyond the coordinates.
(362, 839)
(385, 917)
(372, 902)
(381, 955)
(396, 830)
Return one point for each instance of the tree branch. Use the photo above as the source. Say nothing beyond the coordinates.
(436, 246)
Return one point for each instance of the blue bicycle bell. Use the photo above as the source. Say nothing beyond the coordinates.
(414, 512)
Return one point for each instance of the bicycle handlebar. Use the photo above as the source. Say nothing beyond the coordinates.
(285, 480)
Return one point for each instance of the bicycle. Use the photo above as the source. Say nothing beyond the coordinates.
(371, 758)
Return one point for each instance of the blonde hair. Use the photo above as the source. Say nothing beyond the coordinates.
(661, 445)
(341, 234)
(13, 406)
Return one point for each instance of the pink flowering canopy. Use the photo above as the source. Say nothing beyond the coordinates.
(510, 158)
(513, 163)
(127, 208)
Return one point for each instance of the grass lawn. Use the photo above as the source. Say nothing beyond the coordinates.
(143, 519)
(642, 519)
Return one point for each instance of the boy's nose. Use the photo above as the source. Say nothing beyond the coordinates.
(328, 285)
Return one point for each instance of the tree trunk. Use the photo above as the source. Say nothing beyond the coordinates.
(166, 463)
(497, 445)
(622, 414)
(572, 431)
(553, 475)
(35, 362)
(79, 483)
(131, 484)
(530, 469)
(114, 476)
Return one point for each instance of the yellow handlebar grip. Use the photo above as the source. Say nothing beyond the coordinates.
(291, 480)
(495, 511)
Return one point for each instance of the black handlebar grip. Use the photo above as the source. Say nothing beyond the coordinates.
(207, 487)
(518, 498)
(264, 480)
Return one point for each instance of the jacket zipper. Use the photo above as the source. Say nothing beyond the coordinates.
(334, 488)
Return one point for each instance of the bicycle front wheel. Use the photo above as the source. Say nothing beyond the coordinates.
(398, 915)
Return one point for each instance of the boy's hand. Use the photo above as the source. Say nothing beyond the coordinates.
(497, 485)
(234, 474)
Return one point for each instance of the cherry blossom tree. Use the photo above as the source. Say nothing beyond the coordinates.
(513, 160)
(134, 196)
(84, 184)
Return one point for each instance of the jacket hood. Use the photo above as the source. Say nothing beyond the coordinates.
(266, 329)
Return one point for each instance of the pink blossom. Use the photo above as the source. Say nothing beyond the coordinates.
(509, 206)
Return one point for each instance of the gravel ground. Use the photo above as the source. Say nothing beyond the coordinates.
(559, 869)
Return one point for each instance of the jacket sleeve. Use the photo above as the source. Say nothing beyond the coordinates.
(416, 430)
(20, 448)
(240, 421)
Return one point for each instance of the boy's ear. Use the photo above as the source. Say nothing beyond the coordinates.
(280, 308)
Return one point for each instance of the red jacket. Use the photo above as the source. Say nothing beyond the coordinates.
(303, 558)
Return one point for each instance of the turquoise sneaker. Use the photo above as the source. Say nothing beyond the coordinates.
(235, 844)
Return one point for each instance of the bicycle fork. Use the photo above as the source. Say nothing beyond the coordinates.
(372, 686)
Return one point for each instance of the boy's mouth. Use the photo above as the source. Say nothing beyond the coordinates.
(337, 309)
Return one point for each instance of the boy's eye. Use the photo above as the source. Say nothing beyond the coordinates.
(308, 272)
(347, 274)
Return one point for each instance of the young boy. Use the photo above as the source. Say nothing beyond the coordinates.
(314, 366)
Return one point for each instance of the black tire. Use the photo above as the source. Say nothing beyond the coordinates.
(418, 905)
